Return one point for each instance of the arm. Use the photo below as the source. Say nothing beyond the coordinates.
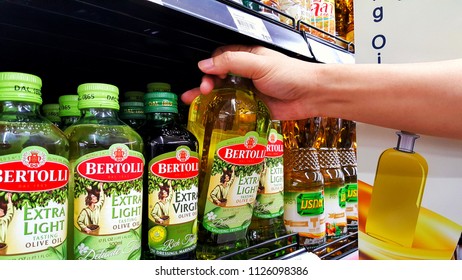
(422, 98)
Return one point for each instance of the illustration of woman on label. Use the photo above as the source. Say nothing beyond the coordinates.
(6, 215)
(89, 217)
(161, 210)
(220, 193)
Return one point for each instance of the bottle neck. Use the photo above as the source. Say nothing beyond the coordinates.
(19, 111)
(160, 118)
(100, 116)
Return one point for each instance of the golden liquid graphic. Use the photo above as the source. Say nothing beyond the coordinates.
(435, 236)
(396, 198)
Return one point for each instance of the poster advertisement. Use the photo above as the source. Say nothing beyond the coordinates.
(410, 186)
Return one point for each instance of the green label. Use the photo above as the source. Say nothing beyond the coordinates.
(234, 182)
(335, 201)
(33, 205)
(304, 214)
(270, 197)
(172, 206)
(351, 192)
(107, 204)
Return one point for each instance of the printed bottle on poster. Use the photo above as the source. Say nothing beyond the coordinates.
(400, 178)
(171, 181)
(34, 174)
(107, 166)
(304, 183)
(235, 125)
(268, 213)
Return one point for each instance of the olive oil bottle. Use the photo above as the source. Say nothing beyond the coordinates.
(68, 110)
(35, 174)
(235, 126)
(171, 181)
(303, 183)
(51, 112)
(268, 213)
(334, 184)
(397, 193)
(107, 166)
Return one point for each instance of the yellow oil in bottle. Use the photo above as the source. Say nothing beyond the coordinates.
(233, 132)
(334, 185)
(303, 184)
(397, 193)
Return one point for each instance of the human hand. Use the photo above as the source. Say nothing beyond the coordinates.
(281, 80)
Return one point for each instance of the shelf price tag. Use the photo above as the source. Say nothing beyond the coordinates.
(250, 25)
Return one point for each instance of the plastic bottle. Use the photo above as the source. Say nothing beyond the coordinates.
(234, 141)
(68, 110)
(397, 192)
(304, 183)
(172, 170)
(107, 163)
(51, 112)
(35, 171)
(132, 113)
(268, 213)
(334, 185)
(346, 147)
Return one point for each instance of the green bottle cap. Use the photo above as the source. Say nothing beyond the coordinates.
(51, 111)
(15, 86)
(68, 105)
(134, 95)
(155, 102)
(158, 87)
(131, 110)
(97, 95)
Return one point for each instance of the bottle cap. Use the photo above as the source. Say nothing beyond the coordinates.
(406, 141)
(15, 86)
(160, 102)
(68, 105)
(159, 86)
(97, 95)
(134, 95)
(51, 111)
(131, 110)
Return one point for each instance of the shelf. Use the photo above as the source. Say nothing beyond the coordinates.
(134, 42)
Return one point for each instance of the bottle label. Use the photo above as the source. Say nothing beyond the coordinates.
(351, 190)
(108, 188)
(234, 181)
(270, 195)
(304, 214)
(335, 203)
(172, 205)
(33, 205)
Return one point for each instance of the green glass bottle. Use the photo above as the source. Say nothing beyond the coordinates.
(132, 113)
(51, 112)
(68, 110)
(34, 174)
(107, 166)
(268, 213)
(235, 127)
(171, 181)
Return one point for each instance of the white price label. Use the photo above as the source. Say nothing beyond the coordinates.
(157, 1)
(250, 25)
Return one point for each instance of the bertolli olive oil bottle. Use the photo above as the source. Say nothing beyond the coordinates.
(235, 126)
(107, 166)
(34, 174)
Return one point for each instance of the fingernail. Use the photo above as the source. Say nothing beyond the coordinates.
(206, 64)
